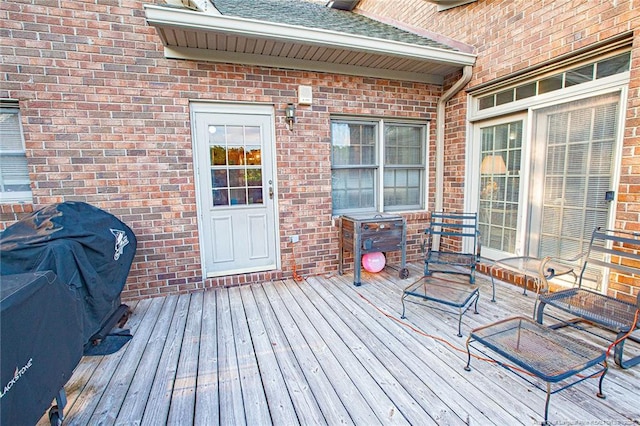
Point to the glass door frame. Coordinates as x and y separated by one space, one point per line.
473 185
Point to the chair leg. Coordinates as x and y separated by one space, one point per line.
468 366
600 394
493 285
539 311
460 322
427 272
402 298
618 351
546 405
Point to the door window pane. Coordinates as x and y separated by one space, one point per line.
579 75
235 159
526 91
550 84
500 185
254 156
615 65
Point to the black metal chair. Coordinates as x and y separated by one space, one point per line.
454 232
616 252
451 230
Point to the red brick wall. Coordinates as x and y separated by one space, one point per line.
106 121
511 35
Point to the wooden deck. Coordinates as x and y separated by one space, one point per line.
323 352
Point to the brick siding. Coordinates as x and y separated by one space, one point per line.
106 121
511 35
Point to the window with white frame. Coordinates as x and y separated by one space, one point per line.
15 185
377 165
545 186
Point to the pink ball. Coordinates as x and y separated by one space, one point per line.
373 262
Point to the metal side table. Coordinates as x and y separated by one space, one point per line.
541 270
542 352
452 294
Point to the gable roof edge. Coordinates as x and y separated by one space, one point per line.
462 47
186 19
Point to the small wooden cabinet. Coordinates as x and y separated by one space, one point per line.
369 233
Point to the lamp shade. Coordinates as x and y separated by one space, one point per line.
493 165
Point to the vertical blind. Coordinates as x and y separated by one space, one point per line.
580 142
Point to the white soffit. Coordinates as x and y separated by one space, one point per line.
194 35
449 4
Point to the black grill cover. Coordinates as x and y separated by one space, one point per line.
41 344
89 249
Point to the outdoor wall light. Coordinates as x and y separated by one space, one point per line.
290 115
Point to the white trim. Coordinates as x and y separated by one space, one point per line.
186 19
563 96
472 186
380 123
379 177
584 89
197 106
230 272
450 4
16 197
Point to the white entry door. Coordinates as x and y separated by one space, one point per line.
234 158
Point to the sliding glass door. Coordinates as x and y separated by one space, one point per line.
543 194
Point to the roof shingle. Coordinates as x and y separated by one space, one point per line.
310 14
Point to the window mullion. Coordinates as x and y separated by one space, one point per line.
381 164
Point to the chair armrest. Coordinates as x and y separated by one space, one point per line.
543 284
425 246
572 261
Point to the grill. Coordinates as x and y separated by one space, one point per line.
63 269
369 233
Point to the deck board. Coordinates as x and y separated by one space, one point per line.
332 405
278 402
323 351
123 371
372 343
183 397
230 389
159 400
366 395
428 358
307 408
256 407
206 410
373 358
136 399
